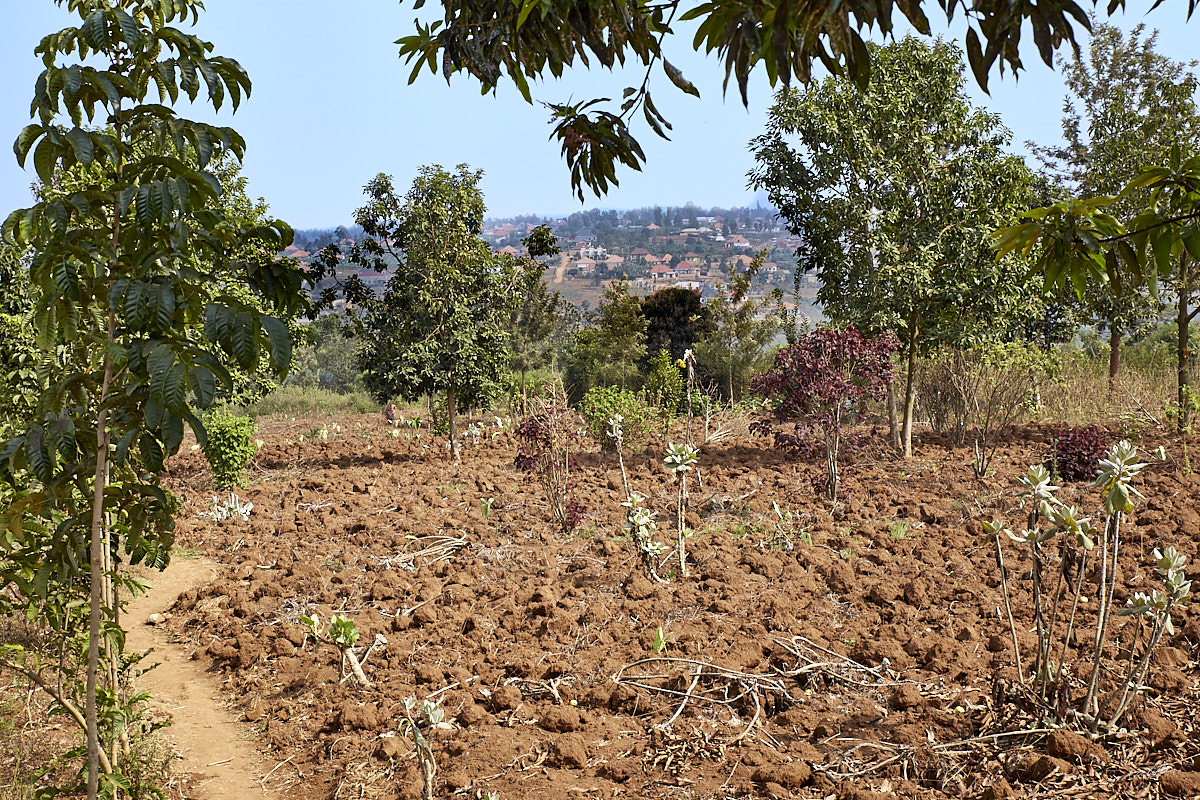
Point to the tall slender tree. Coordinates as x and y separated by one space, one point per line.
440 327
126 268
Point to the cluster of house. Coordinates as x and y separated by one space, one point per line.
582 258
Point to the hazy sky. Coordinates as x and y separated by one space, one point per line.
332 107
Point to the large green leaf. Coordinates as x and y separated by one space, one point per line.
243 339
279 340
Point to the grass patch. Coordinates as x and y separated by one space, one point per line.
297 402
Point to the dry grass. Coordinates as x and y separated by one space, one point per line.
1081 395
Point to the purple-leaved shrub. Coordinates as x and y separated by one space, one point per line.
821 384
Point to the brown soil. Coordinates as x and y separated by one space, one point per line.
843 655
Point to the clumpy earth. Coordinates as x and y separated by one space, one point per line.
853 651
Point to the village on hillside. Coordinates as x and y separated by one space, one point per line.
688 250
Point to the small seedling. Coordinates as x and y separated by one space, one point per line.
485 505
640 521
661 640
232 508
428 718
343 634
679 460
898 529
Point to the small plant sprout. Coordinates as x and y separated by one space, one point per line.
1155 607
343 634
485 505
641 526
231 508
420 721
640 521
679 460
661 640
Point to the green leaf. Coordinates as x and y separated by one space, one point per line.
203 385
152 452
280 345
81 145
243 339
37 454
45 160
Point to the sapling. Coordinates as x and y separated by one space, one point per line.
343 634
233 508
1156 606
428 718
1113 476
1077 541
544 439
640 521
679 461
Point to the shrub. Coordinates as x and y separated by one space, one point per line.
824 380
544 438
996 382
939 399
1075 452
603 403
664 388
230 447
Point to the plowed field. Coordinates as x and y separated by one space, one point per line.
858 651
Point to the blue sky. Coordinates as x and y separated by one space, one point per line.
332 107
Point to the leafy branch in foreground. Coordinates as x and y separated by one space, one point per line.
529 40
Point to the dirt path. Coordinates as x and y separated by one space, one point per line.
215 751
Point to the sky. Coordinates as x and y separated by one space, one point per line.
332 107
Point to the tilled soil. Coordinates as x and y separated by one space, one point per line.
858 651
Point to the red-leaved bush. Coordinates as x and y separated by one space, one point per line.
823 382
544 439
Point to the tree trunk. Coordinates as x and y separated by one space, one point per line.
451 422
1114 357
97 559
910 389
1183 374
893 414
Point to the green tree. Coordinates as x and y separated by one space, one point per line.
533 318
1081 243
742 328
440 326
1122 112
895 190
525 41
676 318
608 351
126 268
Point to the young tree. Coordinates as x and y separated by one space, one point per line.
440 325
825 380
676 318
533 318
1121 112
127 268
896 190
742 328
607 352
1079 243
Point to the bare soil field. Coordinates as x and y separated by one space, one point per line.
857 652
